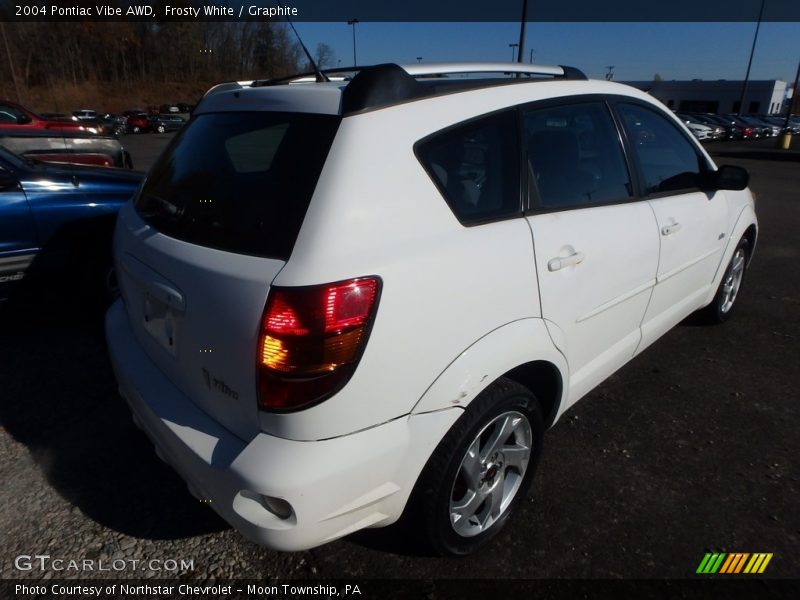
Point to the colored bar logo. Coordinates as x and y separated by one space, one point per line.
734 563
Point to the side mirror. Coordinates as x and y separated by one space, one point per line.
727 177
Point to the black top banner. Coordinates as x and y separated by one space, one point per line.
404 10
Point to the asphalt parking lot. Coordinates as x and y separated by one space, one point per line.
692 447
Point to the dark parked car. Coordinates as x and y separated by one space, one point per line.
748 132
56 222
793 126
164 123
767 129
115 124
732 131
758 130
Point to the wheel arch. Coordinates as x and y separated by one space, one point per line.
751 234
521 351
545 382
746 226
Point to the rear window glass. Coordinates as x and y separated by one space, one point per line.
239 181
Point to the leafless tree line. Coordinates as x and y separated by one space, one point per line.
49 54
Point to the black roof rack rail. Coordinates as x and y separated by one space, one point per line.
381 85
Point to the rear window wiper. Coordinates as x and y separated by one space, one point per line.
167 207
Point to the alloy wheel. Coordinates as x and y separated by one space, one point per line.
733 281
490 473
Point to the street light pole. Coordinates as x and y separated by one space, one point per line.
750 62
353 23
513 51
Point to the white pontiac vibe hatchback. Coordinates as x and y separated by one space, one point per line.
353 298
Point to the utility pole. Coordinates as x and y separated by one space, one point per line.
522 24
750 62
786 137
419 59
610 73
10 62
531 60
513 50
353 23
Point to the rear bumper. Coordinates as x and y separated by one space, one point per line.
334 487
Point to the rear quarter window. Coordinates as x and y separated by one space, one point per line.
239 181
476 167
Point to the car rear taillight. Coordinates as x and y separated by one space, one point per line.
311 339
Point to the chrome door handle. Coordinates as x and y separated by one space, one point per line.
556 264
670 229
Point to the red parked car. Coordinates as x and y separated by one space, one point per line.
15 117
138 122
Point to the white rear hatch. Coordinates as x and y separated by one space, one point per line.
213 225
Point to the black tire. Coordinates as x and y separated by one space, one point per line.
442 482
722 306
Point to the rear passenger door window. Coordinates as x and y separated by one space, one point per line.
575 156
668 160
476 167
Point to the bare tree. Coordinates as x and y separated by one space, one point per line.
145 55
324 56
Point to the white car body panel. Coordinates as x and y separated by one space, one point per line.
491 357
460 307
599 303
335 487
212 359
692 228
742 216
